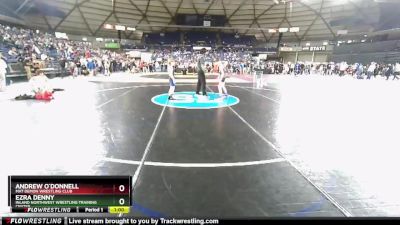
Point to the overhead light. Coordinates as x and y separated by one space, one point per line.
283 30
294 29
84 39
131 28
119 27
99 39
276 1
349 41
108 26
325 43
271 30
363 40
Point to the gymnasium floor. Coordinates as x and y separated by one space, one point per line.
305 146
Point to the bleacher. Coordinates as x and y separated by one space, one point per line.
132 46
52 69
4 48
203 38
382 52
169 38
232 39
15 73
382 46
271 49
198 38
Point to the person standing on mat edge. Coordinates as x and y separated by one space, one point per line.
201 79
172 81
3 71
221 86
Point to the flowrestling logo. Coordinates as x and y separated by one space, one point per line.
189 100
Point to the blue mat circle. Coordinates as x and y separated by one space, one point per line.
189 100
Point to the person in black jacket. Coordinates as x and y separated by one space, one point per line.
78 66
389 71
63 66
201 79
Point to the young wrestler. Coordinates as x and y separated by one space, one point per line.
41 88
172 81
221 86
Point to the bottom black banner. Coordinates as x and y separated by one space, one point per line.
188 221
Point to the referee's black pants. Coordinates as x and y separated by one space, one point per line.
201 83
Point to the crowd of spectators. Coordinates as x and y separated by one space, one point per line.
238 61
35 49
356 70
242 63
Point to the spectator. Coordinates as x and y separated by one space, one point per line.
63 67
3 71
107 68
28 67
388 71
371 70
91 66
396 72
359 70
78 67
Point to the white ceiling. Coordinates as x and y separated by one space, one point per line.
312 16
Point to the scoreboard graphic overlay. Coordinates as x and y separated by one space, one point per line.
69 194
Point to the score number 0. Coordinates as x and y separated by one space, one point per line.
121 201
121 188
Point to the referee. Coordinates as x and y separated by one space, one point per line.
201 79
